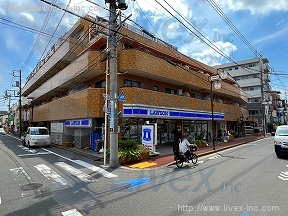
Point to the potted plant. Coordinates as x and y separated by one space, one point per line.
130 151
66 144
231 138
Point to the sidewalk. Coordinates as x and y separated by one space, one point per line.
164 160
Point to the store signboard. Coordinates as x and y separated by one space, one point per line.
81 123
148 136
162 113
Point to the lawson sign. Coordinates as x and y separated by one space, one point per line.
149 112
81 123
156 112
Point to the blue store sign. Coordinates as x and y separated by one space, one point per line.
82 123
168 113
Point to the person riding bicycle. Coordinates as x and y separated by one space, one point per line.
183 146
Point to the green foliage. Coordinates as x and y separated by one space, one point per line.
130 149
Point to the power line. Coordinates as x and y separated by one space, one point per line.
203 40
55 30
38 38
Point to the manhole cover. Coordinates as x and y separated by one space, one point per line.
31 186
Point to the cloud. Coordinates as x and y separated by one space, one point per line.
272 36
207 55
28 16
254 6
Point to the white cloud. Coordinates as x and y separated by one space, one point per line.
28 16
272 36
207 55
254 6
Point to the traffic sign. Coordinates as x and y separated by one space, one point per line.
122 97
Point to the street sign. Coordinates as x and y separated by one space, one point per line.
122 97
213 78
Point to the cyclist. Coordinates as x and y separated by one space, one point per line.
183 146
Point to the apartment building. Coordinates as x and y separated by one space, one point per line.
247 73
161 85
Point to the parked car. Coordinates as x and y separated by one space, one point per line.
36 136
2 131
281 140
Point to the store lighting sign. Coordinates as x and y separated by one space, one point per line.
154 112
78 123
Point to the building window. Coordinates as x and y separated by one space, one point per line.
236 68
170 91
130 83
155 88
255 112
254 100
100 84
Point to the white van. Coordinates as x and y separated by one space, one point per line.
37 136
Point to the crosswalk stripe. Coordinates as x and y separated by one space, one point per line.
89 166
96 169
51 175
72 212
76 172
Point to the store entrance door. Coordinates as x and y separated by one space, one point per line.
77 138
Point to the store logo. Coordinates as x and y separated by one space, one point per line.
159 113
147 135
75 123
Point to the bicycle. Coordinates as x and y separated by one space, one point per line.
180 159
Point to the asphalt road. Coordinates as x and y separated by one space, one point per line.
52 181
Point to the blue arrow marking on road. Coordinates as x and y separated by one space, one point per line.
122 97
245 214
135 182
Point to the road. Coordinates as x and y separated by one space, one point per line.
246 180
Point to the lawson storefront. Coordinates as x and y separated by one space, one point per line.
197 124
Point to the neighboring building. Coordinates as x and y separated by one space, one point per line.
279 114
247 74
161 85
3 117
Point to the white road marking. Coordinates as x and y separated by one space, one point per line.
76 172
51 175
22 171
87 165
215 157
285 179
72 212
200 162
96 169
14 137
39 153
0 201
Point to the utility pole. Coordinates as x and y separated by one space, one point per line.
20 97
262 97
113 6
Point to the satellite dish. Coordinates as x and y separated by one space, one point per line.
217 85
223 74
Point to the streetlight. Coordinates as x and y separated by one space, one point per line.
217 85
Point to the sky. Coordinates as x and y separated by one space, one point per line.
262 22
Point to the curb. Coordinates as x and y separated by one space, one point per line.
97 158
199 155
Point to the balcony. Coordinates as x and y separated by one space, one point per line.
136 62
87 103
154 98
249 82
59 57
84 68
